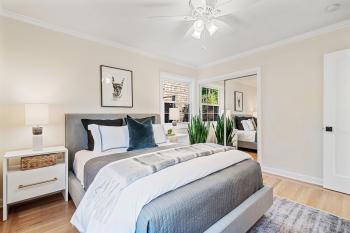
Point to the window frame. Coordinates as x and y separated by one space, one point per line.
164 76
220 100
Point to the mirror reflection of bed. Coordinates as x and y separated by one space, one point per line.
246 135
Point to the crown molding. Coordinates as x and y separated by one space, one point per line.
301 37
85 36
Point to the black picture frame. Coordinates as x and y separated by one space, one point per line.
238 98
103 104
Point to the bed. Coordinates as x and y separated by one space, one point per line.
245 139
214 203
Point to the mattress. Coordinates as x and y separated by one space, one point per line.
83 156
246 136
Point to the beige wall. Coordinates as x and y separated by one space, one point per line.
292 82
40 65
249 96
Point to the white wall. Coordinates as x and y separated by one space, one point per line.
292 84
39 65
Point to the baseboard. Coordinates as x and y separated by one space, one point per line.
293 175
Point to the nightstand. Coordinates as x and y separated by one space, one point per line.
180 138
21 185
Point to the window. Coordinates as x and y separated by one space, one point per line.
210 103
176 94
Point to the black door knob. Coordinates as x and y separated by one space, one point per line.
329 129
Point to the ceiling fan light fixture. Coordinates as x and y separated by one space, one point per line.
198 25
211 27
196 34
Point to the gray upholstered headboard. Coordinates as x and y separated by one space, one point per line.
76 136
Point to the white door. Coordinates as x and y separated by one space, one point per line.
336 139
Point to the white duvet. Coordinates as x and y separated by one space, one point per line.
246 136
121 214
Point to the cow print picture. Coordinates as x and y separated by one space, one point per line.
116 87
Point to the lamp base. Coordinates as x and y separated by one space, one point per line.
37 138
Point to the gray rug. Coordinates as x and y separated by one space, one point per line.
289 217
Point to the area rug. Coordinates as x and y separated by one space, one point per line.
289 217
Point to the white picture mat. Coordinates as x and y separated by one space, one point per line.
107 74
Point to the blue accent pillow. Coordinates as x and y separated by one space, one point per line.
140 134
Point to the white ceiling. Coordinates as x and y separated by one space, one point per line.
256 23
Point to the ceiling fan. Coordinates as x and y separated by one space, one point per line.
205 16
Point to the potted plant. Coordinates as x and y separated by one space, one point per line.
220 127
197 130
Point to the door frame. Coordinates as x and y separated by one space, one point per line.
239 74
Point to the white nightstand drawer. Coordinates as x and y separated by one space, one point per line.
32 183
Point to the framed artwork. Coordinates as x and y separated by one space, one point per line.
116 87
238 101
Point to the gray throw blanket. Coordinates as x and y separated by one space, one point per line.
93 166
132 169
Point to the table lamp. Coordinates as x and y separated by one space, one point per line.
37 115
174 115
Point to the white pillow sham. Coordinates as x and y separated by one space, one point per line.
248 125
109 137
113 137
159 134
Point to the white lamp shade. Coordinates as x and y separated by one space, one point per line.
37 114
211 27
174 114
196 34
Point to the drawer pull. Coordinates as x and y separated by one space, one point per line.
21 186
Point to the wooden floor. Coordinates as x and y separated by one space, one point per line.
52 214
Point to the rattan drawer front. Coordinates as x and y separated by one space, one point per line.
38 161
33 183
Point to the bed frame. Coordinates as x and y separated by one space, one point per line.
247 145
239 220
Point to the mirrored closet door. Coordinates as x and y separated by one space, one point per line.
228 107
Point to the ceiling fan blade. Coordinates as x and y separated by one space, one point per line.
153 4
222 3
189 32
230 7
222 26
178 18
233 19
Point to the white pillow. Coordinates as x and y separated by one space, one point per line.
159 134
109 137
247 125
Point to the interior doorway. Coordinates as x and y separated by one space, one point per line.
235 97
